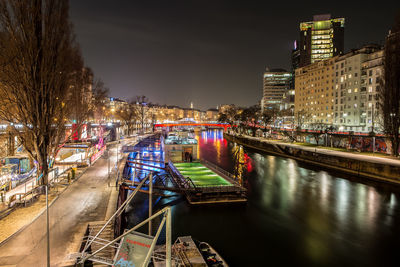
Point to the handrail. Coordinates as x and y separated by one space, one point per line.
218 169
182 178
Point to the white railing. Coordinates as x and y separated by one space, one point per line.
225 173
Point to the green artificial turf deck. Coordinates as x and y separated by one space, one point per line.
200 175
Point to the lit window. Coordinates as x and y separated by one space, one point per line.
349 91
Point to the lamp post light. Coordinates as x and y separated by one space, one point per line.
47 225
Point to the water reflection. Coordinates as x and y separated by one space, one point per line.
295 215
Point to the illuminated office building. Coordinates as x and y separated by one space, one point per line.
321 39
276 82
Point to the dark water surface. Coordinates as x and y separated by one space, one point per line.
295 216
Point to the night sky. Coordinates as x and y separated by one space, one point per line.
208 52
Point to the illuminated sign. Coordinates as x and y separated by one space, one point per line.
97 155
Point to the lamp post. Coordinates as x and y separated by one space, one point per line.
372 128
108 159
47 225
117 160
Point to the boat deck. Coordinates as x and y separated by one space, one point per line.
188 252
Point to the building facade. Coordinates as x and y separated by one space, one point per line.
321 39
276 82
212 114
314 95
357 75
341 91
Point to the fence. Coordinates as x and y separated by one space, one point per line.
181 180
227 175
20 198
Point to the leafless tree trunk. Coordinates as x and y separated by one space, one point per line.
80 95
99 95
389 94
36 49
129 114
142 103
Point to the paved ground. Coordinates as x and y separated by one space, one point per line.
382 160
84 201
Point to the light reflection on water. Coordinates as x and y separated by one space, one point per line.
295 215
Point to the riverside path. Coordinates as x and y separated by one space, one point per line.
83 201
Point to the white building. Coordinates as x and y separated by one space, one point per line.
356 79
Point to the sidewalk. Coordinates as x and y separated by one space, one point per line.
22 216
86 200
350 155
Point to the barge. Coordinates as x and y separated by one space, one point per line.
204 183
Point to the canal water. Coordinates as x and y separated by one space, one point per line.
296 215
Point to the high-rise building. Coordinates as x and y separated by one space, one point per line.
295 59
320 39
275 83
295 62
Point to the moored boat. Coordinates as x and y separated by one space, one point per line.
211 256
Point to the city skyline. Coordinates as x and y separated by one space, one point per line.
190 52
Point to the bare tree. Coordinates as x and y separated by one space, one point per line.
389 93
250 117
231 115
302 117
129 114
80 94
36 49
99 94
142 110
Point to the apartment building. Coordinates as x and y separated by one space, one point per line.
315 94
341 92
356 81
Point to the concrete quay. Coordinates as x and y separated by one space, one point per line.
375 168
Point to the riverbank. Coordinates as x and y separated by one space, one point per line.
371 167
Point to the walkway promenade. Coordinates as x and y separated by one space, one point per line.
380 167
350 155
84 201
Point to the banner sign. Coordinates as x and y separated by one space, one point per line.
133 250
97 155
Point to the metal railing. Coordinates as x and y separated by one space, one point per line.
225 173
185 182
219 188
